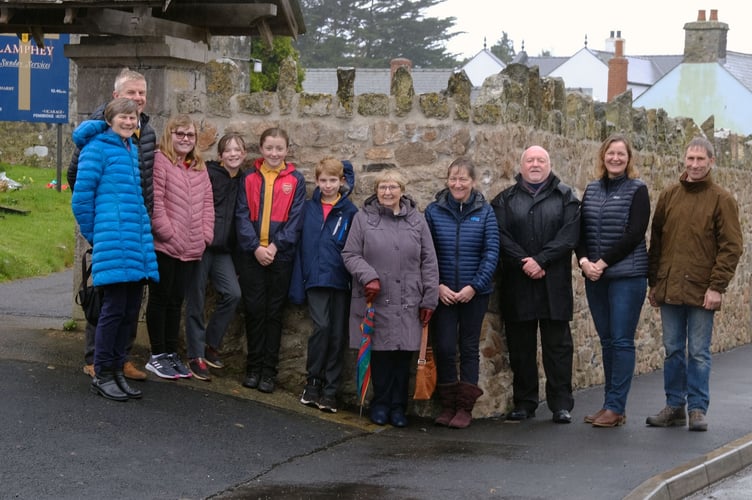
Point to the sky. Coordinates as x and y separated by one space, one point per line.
649 27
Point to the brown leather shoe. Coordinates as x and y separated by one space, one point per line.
589 419
89 370
130 371
610 419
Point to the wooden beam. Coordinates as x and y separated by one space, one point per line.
196 18
289 18
117 22
225 15
266 33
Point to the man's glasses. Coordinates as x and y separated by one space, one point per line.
183 135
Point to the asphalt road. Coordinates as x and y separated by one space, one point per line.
191 440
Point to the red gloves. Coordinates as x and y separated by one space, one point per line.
372 288
425 315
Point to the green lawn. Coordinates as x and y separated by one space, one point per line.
42 241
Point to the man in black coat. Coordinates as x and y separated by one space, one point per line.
132 85
539 224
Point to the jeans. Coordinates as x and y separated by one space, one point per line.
453 326
615 305
329 309
264 290
118 319
165 303
220 268
687 331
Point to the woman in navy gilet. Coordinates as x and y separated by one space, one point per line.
613 257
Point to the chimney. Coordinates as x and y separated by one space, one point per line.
617 71
397 63
705 41
609 42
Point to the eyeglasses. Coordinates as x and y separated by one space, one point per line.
182 135
389 187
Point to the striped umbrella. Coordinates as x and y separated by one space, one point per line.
363 371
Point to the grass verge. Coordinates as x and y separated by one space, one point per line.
43 240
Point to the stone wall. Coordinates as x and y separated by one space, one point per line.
422 134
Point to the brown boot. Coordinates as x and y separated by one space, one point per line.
130 371
467 394
89 370
447 394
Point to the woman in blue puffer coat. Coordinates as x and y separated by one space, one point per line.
108 205
466 238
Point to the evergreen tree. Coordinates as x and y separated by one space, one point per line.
370 33
504 48
270 61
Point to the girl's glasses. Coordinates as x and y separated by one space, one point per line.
183 135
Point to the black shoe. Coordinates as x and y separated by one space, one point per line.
122 383
266 385
398 418
311 393
378 416
327 404
562 417
104 384
520 414
252 380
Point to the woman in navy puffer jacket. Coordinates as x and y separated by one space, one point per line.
109 207
466 238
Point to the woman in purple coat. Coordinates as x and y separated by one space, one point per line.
391 258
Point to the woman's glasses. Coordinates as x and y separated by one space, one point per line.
183 135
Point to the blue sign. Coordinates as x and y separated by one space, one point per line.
33 80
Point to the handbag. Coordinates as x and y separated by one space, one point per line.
425 375
89 297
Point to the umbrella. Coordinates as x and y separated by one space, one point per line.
364 355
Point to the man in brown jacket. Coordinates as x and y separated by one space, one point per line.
695 245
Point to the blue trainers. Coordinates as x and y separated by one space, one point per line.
178 366
161 366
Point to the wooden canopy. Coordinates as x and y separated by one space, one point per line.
195 20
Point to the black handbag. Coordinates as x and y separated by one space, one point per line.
89 297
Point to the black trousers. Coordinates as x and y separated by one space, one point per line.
390 378
264 291
557 350
329 309
165 303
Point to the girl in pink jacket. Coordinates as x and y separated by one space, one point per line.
183 224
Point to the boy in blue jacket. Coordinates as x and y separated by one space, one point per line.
320 277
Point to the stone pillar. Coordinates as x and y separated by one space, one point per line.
170 65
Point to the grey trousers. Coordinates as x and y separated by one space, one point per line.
220 270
